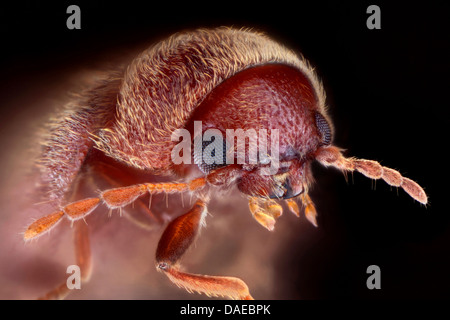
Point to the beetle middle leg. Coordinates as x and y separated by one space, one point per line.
176 239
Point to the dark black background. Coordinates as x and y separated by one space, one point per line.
388 95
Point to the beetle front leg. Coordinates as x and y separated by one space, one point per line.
176 239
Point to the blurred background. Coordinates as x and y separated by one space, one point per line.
387 92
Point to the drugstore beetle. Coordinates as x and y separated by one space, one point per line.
225 79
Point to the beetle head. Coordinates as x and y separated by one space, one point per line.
286 105
281 176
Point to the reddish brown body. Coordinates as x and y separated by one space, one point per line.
277 97
118 134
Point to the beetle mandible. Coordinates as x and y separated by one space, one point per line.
227 79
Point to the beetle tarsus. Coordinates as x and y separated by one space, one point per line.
212 286
42 225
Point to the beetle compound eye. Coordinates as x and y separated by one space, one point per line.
213 156
324 129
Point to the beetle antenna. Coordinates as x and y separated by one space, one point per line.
332 156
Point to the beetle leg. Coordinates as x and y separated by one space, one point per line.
265 211
310 209
83 259
176 239
293 206
332 156
42 225
106 176
74 211
83 250
120 197
113 198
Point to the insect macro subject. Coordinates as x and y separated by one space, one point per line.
117 136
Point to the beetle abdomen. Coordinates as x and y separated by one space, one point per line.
68 138
163 86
